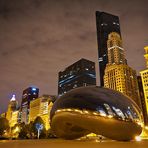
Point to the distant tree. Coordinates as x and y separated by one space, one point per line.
15 130
30 130
14 127
4 125
23 134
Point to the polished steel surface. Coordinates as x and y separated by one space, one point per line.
99 110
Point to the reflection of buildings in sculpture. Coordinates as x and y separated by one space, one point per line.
106 23
144 76
81 73
12 106
96 110
41 107
29 94
118 75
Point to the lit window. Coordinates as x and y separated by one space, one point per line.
33 89
100 59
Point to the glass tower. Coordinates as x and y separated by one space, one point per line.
81 73
29 94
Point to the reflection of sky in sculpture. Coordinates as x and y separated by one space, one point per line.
99 100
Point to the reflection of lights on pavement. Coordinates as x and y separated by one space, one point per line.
138 138
97 140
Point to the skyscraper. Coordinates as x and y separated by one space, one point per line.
115 50
106 23
14 118
12 106
41 107
81 73
143 101
29 94
118 75
144 76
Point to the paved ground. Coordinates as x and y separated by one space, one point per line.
70 144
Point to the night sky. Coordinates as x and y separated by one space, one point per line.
39 38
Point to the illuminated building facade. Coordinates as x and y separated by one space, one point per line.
118 75
143 101
12 106
14 118
41 107
29 94
81 73
106 23
3 115
34 109
144 77
45 115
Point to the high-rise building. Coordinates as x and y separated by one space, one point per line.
29 94
45 108
143 103
3 115
14 118
34 109
81 73
144 77
106 23
118 75
115 50
41 107
12 106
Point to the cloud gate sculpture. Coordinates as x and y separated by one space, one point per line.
96 110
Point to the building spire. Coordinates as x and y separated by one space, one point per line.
13 98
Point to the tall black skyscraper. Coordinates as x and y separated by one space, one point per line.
106 23
29 94
81 73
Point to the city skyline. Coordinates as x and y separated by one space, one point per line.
38 42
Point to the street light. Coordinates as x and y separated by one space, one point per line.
138 138
39 127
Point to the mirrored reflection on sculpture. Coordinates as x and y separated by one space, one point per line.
96 110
